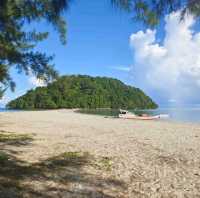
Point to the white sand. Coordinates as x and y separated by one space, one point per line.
154 158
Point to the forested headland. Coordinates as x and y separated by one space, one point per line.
80 91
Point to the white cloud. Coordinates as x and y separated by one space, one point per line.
172 100
36 82
122 68
172 68
4 100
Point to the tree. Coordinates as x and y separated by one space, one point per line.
150 11
17 43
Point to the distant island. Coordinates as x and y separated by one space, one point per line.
81 91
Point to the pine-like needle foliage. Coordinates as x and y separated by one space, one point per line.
17 43
151 11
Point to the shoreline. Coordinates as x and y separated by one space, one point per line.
171 119
76 110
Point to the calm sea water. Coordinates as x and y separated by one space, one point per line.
7 110
190 115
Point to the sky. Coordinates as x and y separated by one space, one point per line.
103 41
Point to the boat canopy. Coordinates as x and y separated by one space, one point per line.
123 111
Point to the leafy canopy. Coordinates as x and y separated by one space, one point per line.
17 43
150 11
83 92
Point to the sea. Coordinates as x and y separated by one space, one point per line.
7 110
186 115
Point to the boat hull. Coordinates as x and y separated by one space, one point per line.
139 117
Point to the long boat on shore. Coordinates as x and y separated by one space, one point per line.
129 115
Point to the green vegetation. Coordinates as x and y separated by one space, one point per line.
104 163
83 92
68 158
3 157
152 11
17 42
15 138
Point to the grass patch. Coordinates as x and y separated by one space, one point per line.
10 137
72 155
68 159
3 157
104 163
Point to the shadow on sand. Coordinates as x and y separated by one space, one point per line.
68 175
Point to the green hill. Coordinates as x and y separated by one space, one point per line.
83 92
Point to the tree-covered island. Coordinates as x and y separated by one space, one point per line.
80 91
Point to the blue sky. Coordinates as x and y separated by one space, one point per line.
98 44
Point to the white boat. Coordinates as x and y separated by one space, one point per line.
129 115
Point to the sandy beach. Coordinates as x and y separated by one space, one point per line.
77 155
